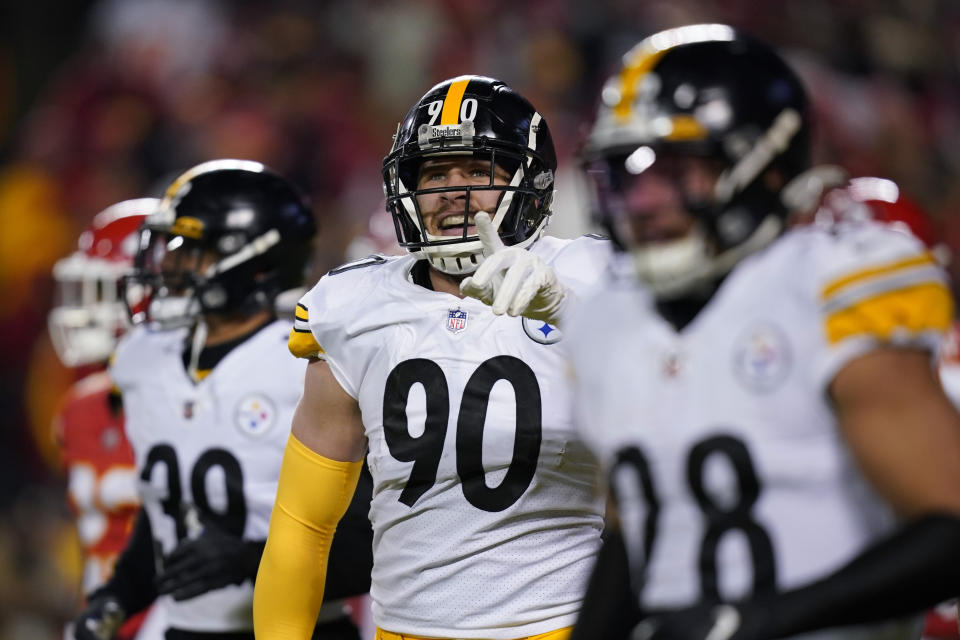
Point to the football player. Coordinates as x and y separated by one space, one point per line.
884 201
85 322
209 391
484 511
765 402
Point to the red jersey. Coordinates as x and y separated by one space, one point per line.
101 478
102 485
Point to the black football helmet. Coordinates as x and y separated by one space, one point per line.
228 237
710 91
483 118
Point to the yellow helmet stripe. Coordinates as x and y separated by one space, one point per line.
205 167
630 76
451 103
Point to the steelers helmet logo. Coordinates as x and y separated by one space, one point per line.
541 332
255 415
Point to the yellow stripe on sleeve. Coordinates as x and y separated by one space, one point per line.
302 344
918 309
451 103
833 287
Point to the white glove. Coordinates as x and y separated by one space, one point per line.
513 280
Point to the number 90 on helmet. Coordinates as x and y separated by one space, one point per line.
485 120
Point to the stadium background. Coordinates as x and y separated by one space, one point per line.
104 100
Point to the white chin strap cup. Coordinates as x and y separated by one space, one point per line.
464 258
672 270
174 312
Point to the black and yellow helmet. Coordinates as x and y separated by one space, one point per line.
703 90
483 118
227 237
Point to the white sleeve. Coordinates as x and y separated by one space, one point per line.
875 286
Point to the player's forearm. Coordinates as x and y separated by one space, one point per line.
916 568
289 587
312 496
609 607
351 555
132 581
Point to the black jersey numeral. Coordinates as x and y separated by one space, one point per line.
232 519
426 450
171 504
719 518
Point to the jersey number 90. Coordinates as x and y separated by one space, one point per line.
425 450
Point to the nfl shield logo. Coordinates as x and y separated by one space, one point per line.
456 320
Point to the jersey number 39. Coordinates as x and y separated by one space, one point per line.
232 519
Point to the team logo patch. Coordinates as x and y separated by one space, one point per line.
762 358
255 415
541 332
456 320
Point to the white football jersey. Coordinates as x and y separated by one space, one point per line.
209 450
722 451
485 512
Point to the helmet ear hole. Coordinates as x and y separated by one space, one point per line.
213 297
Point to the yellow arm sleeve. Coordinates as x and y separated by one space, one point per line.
312 496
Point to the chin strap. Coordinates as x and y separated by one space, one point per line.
678 268
196 346
471 255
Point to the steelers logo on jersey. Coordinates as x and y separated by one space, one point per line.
540 331
762 358
255 415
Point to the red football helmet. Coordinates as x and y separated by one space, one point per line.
89 314
888 203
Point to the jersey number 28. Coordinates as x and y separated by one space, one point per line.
720 517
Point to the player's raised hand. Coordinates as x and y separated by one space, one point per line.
513 280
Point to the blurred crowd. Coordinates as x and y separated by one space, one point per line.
315 90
